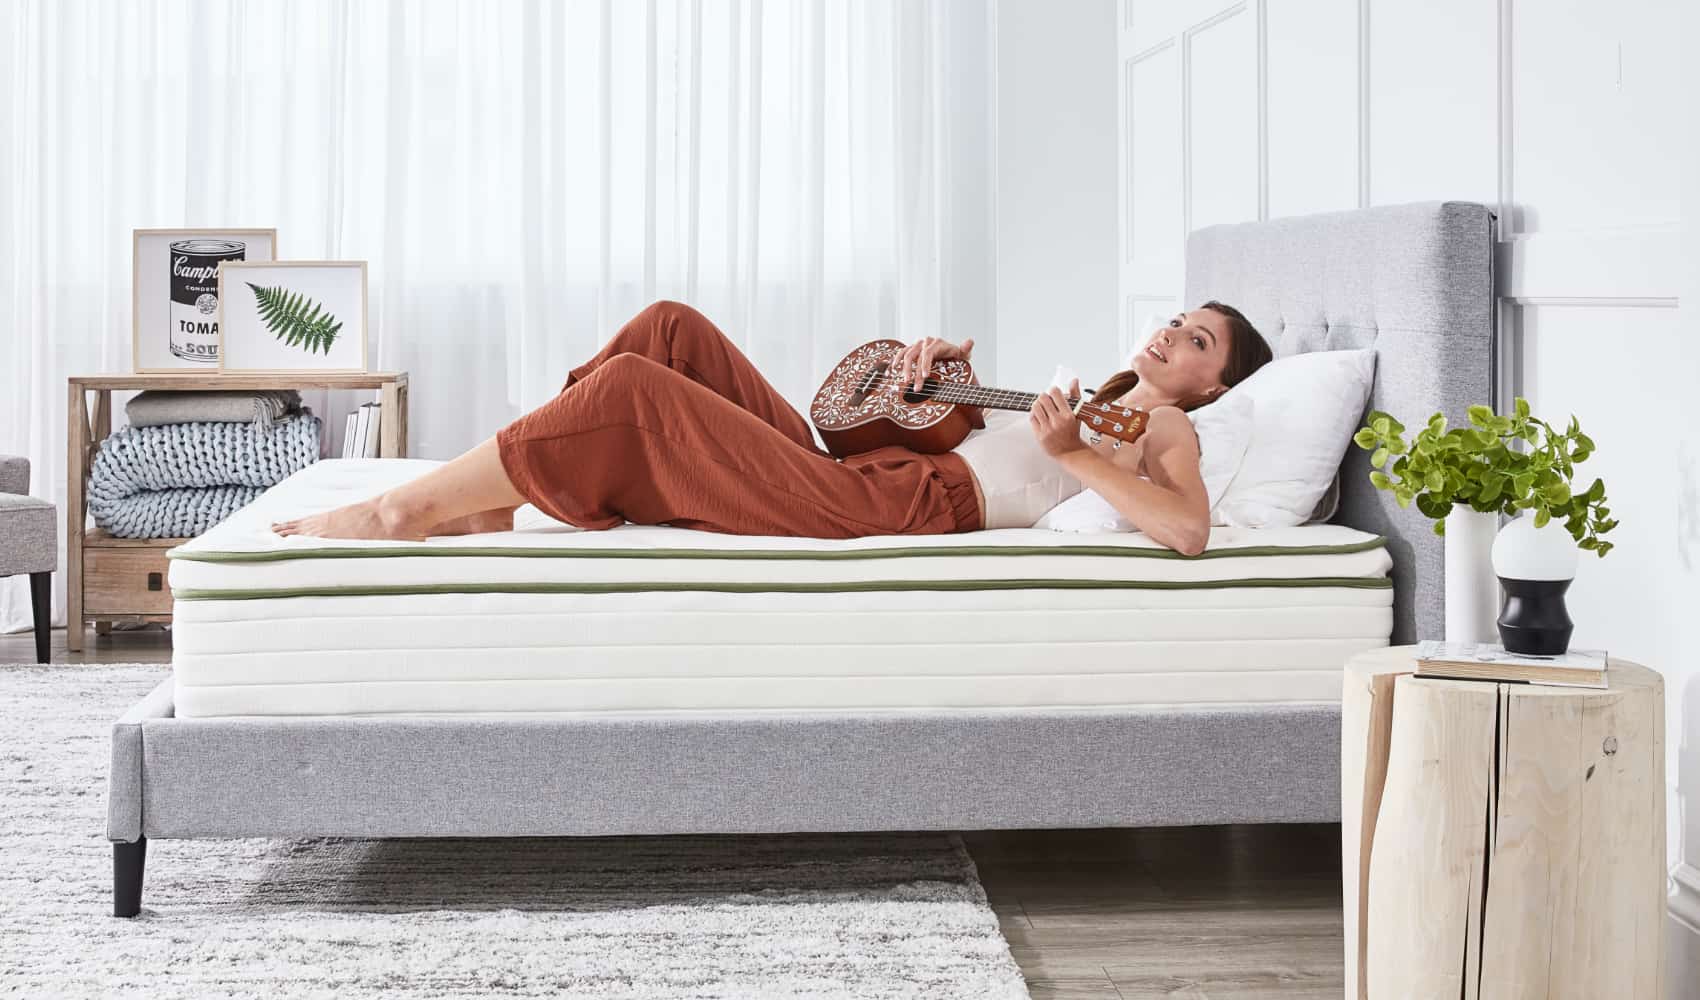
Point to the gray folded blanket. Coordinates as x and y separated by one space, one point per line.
177 480
190 406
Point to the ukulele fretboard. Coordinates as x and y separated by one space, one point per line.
979 395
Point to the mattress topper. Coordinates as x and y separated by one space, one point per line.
242 557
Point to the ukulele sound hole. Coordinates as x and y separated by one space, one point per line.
911 396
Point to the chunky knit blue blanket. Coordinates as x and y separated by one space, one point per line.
178 480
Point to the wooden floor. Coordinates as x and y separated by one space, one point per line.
1240 911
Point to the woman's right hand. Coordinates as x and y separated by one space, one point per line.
913 363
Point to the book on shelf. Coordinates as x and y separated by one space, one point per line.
375 418
1488 661
357 448
360 432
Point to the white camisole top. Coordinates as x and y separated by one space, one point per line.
1019 480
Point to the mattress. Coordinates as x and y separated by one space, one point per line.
547 618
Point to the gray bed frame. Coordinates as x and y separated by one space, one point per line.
1412 281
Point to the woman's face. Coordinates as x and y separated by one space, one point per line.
1186 357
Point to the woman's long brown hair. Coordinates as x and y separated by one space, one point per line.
1247 352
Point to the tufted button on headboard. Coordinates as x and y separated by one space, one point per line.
1414 282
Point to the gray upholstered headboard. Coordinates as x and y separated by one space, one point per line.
1415 282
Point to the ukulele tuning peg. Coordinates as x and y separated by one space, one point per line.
1116 444
1097 419
1118 428
1095 438
1127 413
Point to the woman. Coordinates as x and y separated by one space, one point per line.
670 423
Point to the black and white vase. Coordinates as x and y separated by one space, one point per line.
1535 567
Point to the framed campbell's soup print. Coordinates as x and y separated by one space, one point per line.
174 293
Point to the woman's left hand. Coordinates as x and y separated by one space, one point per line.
1054 423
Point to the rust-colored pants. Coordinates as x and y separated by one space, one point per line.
670 423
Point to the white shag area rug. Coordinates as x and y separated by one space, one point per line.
811 915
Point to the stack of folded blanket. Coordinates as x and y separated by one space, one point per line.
191 458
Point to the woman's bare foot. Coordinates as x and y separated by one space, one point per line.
366 519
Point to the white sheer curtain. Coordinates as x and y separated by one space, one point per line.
521 175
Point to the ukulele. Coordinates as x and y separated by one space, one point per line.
863 405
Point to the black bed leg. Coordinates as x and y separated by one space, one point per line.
41 598
127 863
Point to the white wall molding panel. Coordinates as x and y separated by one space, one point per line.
1574 119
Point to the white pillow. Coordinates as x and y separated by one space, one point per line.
1308 407
1224 431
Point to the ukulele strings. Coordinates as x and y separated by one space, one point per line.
1000 395
939 391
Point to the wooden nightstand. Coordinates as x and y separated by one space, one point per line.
125 579
1502 840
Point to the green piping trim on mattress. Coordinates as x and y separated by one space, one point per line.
741 587
274 555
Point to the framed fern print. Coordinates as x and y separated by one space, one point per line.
292 316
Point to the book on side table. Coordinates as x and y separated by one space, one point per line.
1486 661
360 433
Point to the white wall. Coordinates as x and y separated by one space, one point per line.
1569 117
1684 686
1056 191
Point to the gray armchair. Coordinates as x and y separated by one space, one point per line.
29 542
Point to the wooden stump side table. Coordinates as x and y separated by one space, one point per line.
125 579
1501 840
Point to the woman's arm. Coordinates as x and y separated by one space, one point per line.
1172 507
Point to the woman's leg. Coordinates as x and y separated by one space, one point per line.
494 519
667 332
677 336
471 493
638 441
682 338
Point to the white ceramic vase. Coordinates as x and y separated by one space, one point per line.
1472 591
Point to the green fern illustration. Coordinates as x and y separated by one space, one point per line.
295 319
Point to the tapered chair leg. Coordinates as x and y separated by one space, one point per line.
41 604
127 863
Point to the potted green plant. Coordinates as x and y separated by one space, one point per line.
1512 464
